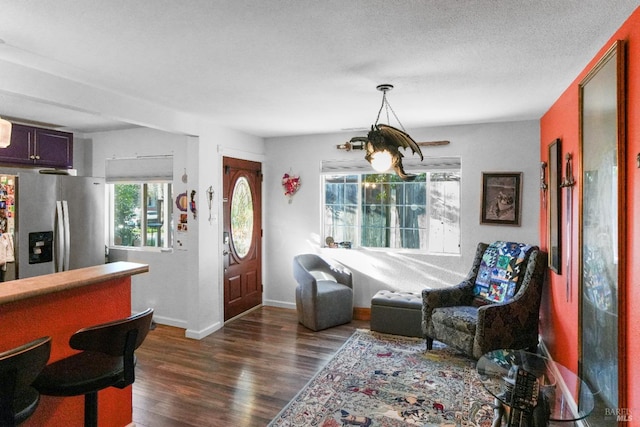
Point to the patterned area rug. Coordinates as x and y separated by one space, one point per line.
386 380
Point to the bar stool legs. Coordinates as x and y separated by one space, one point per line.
91 409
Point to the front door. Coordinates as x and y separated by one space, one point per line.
242 236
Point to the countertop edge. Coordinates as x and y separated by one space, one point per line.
21 289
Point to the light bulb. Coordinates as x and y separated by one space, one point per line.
381 161
5 133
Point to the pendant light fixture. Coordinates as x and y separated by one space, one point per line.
5 133
383 141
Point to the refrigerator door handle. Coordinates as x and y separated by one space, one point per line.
60 237
67 238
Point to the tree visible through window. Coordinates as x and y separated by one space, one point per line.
382 211
141 214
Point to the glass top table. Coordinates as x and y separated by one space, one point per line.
567 396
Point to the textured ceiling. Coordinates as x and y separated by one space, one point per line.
287 67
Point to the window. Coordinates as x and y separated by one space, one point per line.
140 201
382 211
141 217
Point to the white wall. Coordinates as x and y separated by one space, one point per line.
292 228
159 288
184 285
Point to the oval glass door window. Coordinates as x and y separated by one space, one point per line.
241 217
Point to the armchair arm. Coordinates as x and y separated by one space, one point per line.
461 294
342 274
305 279
506 325
338 271
307 266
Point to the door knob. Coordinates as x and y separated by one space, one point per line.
225 252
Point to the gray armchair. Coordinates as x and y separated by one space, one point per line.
324 295
503 314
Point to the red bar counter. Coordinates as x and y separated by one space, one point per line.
57 305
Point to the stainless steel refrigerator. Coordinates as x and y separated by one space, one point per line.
59 223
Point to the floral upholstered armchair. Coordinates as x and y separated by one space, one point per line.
495 307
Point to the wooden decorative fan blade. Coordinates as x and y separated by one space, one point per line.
432 143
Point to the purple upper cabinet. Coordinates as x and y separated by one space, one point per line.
38 147
53 148
19 151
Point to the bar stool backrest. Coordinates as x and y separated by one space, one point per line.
111 337
118 338
19 367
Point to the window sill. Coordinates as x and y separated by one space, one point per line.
141 249
326 249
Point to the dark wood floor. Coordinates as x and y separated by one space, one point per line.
241 375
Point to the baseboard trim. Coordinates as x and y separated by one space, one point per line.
169 321
362 313
198 335
359 313
279 304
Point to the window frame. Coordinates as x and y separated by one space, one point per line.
359 173
167 212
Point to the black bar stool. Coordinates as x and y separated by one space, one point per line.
19 367
107 360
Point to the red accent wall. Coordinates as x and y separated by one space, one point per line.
559 316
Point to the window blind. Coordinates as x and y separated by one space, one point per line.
139 169
410 164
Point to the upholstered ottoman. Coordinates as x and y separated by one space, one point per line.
397 313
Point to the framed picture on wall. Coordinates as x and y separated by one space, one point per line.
501 198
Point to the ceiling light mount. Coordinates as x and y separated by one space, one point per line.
383 141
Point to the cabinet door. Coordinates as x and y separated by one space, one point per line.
53 148
21 147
